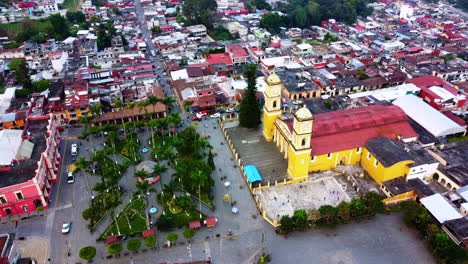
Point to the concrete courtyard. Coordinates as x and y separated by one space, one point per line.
308 195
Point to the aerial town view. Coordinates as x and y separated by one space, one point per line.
234 132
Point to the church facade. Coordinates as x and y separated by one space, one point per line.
324 141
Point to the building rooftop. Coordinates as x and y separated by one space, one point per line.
24 170
458 226
294 82
387 151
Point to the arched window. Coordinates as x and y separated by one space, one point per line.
303 142
274 104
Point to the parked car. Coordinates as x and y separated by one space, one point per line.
215 115
74 149
297 102
66 228
230 110
196 118
71 177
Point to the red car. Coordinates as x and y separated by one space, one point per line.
196 118
150 180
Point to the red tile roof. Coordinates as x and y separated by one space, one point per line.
219 58
425 82
349 129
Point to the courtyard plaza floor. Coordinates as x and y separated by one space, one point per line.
308 195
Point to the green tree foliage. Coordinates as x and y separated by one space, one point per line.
358 208
75 17
199 11
344 212
287 224
150 241
59 28
361 74
211 160
258 4
105 32
21 73
194 173
272 22
318 10
220 33
374 203
300 219
250 109
189 233
190 142
328 216
41 85
115 248
172 237
87 253
156 30
134 244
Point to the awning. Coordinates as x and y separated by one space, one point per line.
148 232
112 239
194 224
211 221
252 173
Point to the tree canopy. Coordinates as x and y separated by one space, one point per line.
250 109
304 13
200 11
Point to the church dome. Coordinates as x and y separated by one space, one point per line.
303 114
273 79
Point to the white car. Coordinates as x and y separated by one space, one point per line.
230 110
215 115
74 149
71 177
66 228
297 102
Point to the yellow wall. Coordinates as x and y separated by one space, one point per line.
379 173
411 195
298 162
322 162
269 119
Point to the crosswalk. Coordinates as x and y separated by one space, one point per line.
71 168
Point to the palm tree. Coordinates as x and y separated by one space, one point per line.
153 100
144 187
142 174
174 119
158 169
120 105
96 110
169 101
152 124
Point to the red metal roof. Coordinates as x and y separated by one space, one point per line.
219 58
148 232
349 129
194 224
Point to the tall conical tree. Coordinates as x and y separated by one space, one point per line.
250 109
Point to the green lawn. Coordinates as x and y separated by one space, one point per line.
132 214
71 5
12 29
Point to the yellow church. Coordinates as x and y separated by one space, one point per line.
315 142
